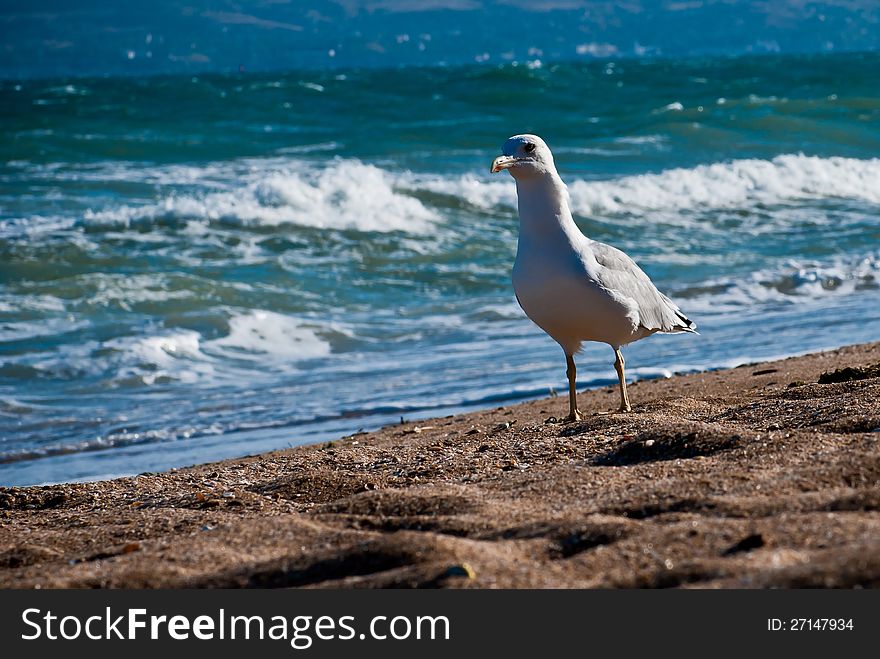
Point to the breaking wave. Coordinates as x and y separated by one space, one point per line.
347 195
796 282
258 334
740 183
736 184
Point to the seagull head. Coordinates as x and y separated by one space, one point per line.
524 156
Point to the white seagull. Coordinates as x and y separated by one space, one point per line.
572 287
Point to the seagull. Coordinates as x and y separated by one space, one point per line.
572 287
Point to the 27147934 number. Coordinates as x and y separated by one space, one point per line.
810 624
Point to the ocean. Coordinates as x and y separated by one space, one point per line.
197 268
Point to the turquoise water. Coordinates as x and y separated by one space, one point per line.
199 268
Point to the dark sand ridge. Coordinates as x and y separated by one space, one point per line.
758 476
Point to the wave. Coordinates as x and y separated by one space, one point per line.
740 183
736 184
795 282
27 330
254 342
258 334
346 195
175 355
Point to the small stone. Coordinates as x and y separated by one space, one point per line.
749 543
504 426
460 570
649 443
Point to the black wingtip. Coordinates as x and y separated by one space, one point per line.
689 325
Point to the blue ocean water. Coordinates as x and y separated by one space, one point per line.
194 268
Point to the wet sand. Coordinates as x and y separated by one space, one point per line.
759 476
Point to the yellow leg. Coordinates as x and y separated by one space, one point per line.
574 413
618 366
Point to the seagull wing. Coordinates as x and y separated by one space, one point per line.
620 275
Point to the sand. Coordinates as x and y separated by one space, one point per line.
754 477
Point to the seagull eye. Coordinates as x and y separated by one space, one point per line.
529 147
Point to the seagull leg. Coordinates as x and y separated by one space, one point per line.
574 413
618 366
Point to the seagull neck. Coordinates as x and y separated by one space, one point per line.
541 200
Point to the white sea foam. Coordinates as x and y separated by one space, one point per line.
346 195
311 148
642 139
16 304
675 106
736 184
266 338
256 342
162 350
125 289
730 185
258 334
25 330
506 311
793 282
475 191
35 226
174 355
349 194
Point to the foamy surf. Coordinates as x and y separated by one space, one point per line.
807 283
346 195
259 335
719 186
737 184
258 339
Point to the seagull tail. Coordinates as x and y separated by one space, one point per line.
681 323
687 324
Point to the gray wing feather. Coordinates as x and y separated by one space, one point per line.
621 275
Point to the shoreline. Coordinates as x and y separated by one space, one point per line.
756 476
265 436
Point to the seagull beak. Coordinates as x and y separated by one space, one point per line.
502 162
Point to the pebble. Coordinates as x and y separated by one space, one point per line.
460 570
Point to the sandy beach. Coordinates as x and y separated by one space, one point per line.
766 475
